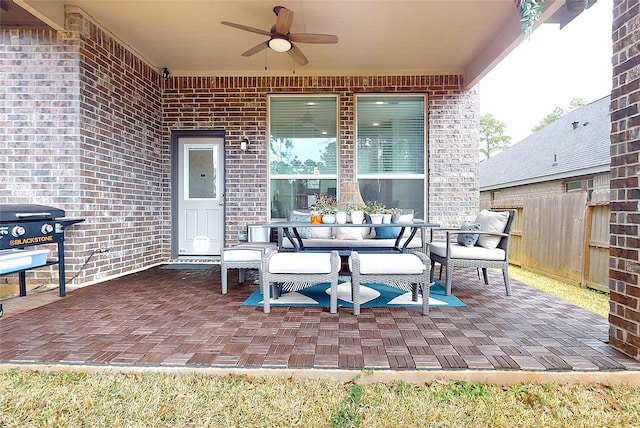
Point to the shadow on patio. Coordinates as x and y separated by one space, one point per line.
170 319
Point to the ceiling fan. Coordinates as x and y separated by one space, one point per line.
281 40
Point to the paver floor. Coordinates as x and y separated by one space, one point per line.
178 318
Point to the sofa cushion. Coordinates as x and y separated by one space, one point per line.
416 242
491 221
461 252
321 232
348 233
469 239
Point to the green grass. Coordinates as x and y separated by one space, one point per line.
586 298
74 399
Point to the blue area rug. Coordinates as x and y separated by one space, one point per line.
371 296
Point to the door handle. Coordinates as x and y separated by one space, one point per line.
221 200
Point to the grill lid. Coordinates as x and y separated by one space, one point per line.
28 212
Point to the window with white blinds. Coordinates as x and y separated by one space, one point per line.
303 150
391 144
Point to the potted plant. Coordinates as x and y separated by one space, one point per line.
530 11
375 210
395 214
356 215
325 206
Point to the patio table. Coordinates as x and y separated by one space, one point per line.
289 230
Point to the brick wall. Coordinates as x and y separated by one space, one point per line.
238 105
81 125
624 265
122 157
40 128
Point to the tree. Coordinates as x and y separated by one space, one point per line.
558 112
492 137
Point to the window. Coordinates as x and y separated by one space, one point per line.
391 150
303 150
580 186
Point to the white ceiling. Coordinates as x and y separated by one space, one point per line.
378 37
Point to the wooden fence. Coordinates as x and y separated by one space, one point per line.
563 237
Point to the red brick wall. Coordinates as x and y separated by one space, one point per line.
83 127
40 130
238 105
624 266
122 157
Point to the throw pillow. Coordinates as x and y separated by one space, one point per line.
387 232
491 221
301 217
406 216
321 232
469 239
348 233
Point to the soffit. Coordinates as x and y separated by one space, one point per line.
385 37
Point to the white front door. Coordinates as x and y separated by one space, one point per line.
200 197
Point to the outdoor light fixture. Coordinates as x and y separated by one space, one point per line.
244 144
165 73
279 44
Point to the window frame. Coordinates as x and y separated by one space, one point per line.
321 176
424 176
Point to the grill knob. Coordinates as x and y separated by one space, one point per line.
17 231
46 229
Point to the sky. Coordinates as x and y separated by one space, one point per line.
549 70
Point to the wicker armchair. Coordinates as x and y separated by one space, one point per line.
450 253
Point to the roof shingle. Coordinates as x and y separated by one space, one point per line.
576 144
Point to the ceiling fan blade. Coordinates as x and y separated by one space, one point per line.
284 20
246 28
313 38
257 48
297 55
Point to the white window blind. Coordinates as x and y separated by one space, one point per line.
390 135
303 133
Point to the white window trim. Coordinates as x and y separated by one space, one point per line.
335 176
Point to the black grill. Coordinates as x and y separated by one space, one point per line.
26 225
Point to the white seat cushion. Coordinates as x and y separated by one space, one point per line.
462 252
300 263
241 255
371 264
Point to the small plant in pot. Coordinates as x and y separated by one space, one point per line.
355 215
326 207
375 211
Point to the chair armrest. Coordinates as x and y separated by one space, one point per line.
475 232
441 229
